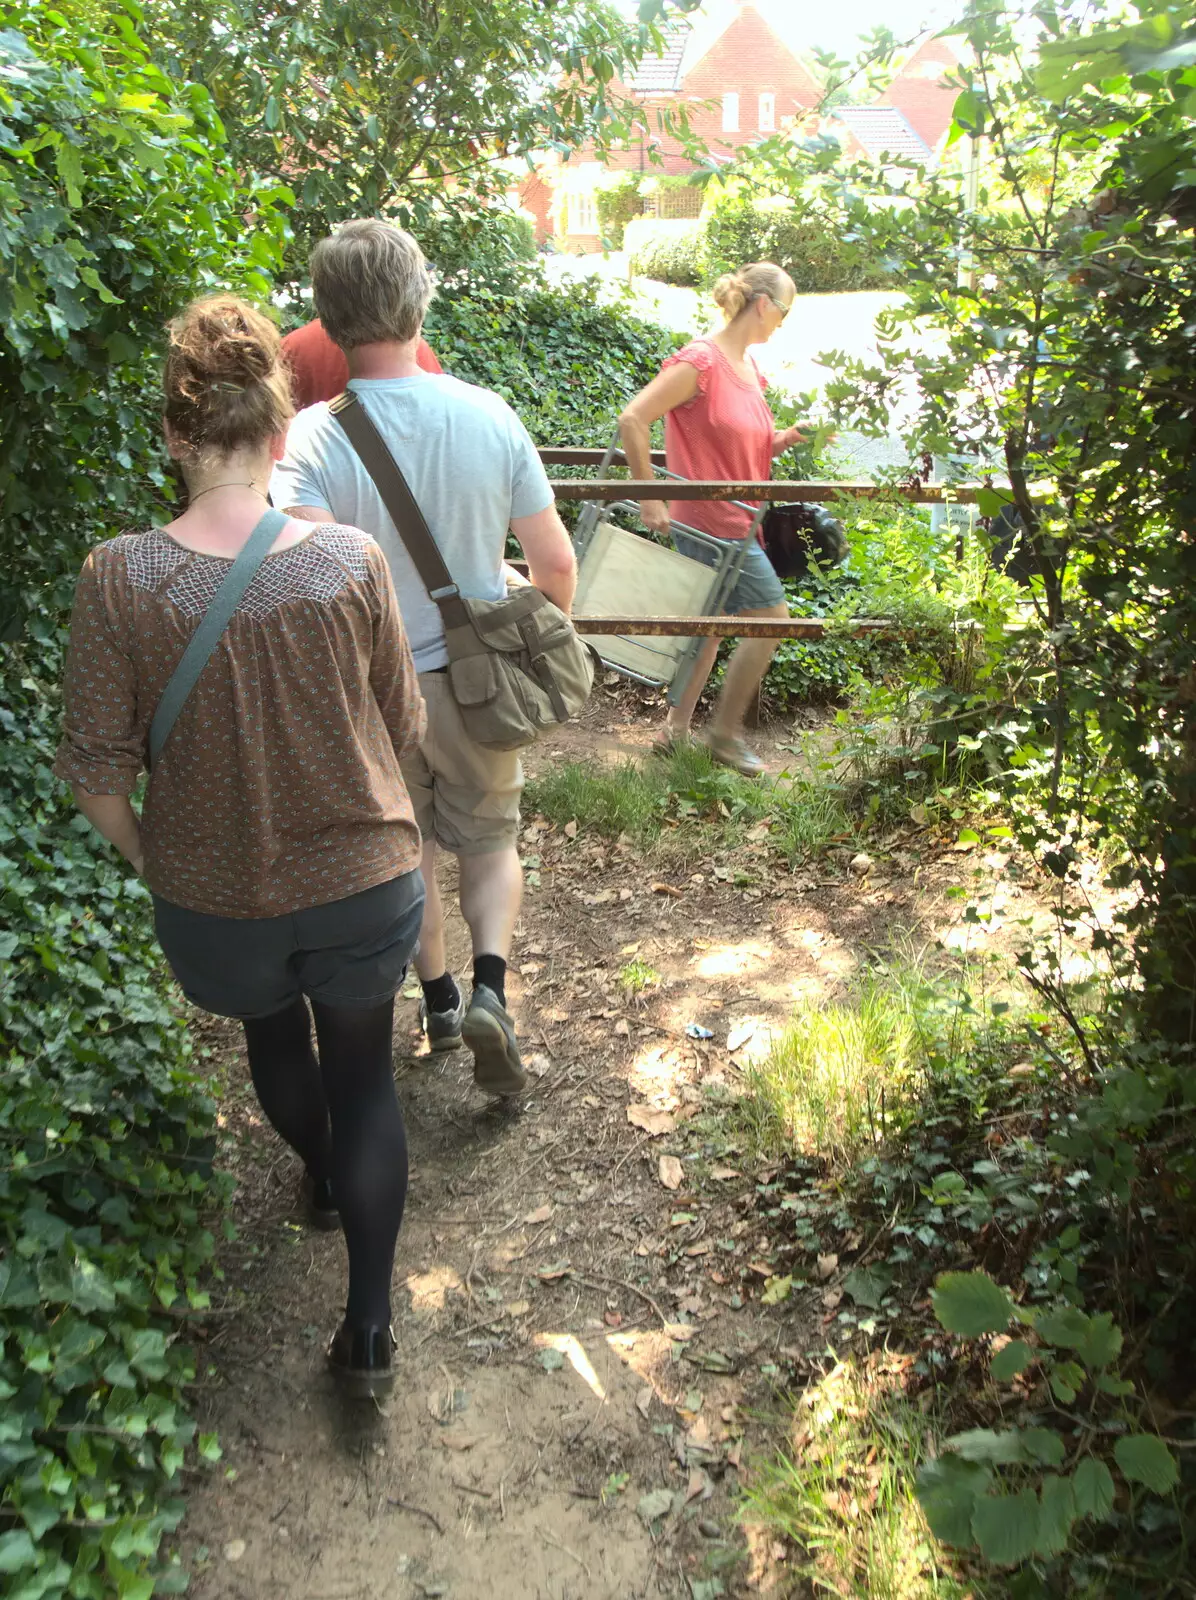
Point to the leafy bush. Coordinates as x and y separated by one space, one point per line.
617 205
115 212
670 252
105 1150
562 358
1016 1493
805 239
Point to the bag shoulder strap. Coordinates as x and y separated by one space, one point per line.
404 510
211 628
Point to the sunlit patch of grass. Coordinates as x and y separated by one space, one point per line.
839 1078
612 800
636 976
843 1489
695 797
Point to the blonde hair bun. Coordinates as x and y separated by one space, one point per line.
735 291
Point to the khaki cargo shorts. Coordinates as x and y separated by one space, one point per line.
465 797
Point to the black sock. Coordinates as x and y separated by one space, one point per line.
492 971
441 994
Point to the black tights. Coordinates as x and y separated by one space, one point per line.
340 1114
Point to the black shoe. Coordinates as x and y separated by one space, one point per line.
360 1359
319 1204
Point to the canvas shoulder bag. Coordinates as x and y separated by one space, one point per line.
211 628
516 666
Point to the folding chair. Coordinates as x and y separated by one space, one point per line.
627 574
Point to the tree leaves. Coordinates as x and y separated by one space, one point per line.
1093 1489
971 1304
1144 1458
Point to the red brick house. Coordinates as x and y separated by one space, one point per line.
739 82
911 118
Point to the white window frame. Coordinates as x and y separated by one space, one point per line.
731 112
583 212
766 119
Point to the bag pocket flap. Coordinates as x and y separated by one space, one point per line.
475 679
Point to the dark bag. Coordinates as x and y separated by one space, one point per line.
516 666
797 531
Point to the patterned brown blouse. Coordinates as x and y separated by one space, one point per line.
279 787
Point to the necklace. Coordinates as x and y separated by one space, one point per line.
213 486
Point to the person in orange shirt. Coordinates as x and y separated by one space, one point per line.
319 370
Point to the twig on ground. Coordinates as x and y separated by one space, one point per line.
622 1283
416 1511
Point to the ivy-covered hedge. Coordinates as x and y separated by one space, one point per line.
105 1180
564 359
115 208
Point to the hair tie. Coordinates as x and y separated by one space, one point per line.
228 388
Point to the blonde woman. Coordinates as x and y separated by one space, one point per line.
717 425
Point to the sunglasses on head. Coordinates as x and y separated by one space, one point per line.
783 309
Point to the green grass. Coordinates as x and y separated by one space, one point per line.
713 805
837 1080
843 1491
636 976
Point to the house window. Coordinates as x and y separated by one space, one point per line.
583 215
730 113
768 113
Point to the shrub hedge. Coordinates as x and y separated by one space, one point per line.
116 209
668 250
806 240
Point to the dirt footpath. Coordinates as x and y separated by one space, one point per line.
580 1334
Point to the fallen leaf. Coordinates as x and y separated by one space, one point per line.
762 1267
613 1319
657 1504
630 949
571 830
624 894
831 1298
558 1269
721 1174
670 1172
519 1308
234 1549
667 888
459 1441
551 1360
623 1027
740 1035
541 1214
699 1486
1022 1069
735 1453
652 1122
827 1266
530 968
643 1400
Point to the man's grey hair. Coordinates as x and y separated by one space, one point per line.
371 284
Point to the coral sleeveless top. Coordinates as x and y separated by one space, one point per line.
725 431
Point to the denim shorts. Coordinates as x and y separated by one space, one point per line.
756 589
350 953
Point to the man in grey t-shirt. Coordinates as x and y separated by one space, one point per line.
475 474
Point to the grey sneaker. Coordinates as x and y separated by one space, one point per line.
443 1028
489 1031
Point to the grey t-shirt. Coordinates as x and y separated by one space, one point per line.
471 466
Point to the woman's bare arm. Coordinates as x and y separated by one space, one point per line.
668 389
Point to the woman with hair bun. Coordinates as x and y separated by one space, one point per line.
718 425
277 837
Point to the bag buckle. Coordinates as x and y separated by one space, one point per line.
450 592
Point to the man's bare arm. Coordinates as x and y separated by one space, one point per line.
551 564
